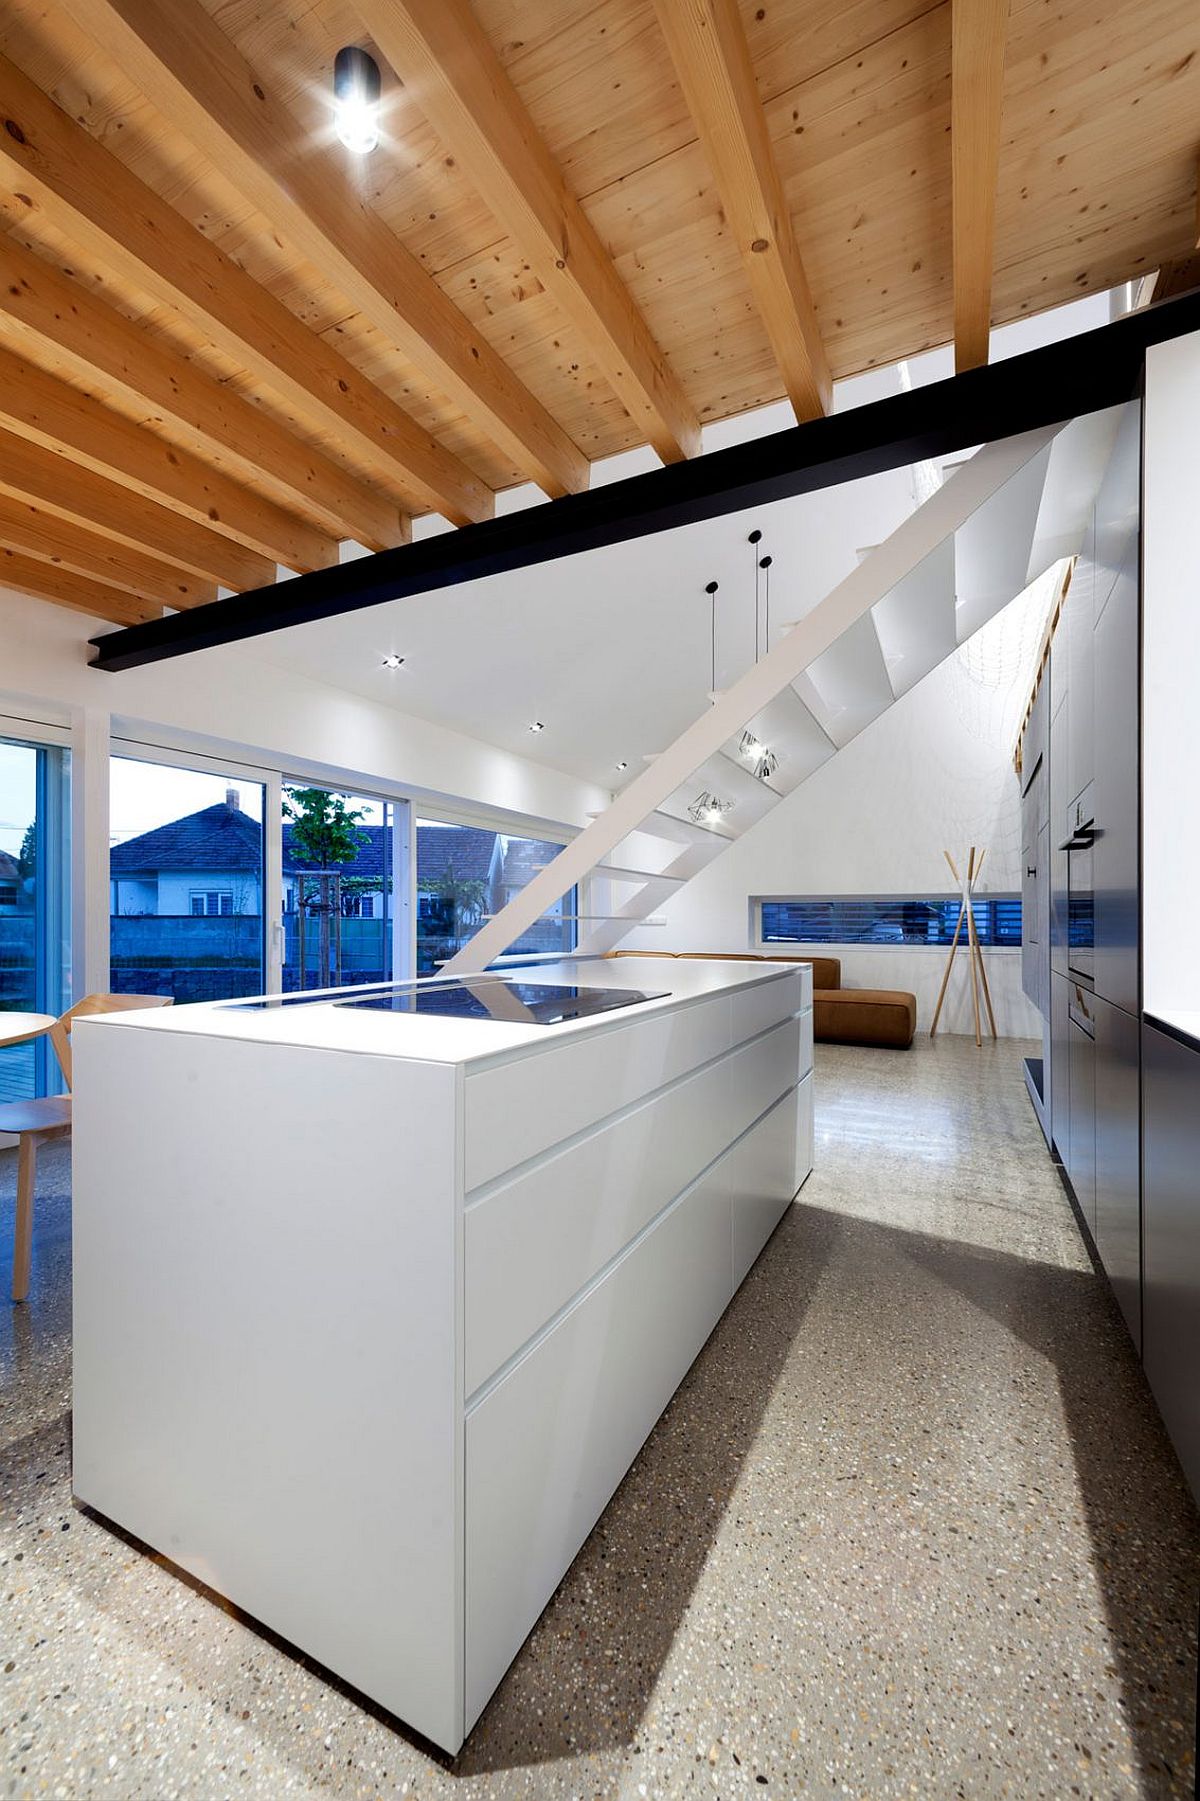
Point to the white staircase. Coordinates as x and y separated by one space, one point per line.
1001 520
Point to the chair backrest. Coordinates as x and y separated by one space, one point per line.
60 1031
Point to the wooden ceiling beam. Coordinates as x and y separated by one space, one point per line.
978 30
198 79
66 589
100 340
712 60
53 413
104 208
39 533
446 62
69 491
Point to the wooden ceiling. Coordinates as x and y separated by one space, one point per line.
226 343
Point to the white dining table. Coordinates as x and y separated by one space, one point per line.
16 1028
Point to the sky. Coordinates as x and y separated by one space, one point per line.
142 795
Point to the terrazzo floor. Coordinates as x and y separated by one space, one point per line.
910 1527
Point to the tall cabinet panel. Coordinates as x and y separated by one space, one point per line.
1171 1195
1118 1148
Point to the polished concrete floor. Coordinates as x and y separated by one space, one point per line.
910 1528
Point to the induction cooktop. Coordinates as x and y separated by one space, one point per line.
479 997
519 1003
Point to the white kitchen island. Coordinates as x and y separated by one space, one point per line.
374 1308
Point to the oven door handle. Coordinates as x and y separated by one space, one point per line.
1083 839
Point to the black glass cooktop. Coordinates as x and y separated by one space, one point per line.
478 997
520 1003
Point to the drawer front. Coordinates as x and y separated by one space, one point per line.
765 1171
514 1110
754 1009
548 1445
535 1242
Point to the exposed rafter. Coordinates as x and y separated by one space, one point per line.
66 589
37 532
198 78
978 29
448 65
102 206
712 59
29 471
100 340
53 413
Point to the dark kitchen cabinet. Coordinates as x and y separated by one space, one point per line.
1060 1067
1081 1130
1171 1238
1118 1231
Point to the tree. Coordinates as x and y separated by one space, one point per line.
324 828
325 832
27 855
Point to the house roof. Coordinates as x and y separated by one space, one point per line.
524 857
10 869
465 850
224 838
217 838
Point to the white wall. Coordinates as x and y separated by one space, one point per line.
1171 668
232 697
933 772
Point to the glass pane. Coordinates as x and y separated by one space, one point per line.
891 919
339 888
465 873
186 870
34 953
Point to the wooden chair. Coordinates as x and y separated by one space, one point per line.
36 1122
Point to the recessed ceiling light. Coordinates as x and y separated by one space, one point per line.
622 765
537 726
356 99
393 661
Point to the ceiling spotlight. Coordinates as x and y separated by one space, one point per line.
622 765
708 809
356 91
392 661
537 726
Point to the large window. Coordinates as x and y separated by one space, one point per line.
343 888
187 874
35 975
465 873
904 919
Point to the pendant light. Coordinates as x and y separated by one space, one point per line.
761 758
709 808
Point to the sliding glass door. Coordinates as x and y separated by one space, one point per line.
345 892
35 972
186 873
465 873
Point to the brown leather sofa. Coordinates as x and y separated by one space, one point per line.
879 1017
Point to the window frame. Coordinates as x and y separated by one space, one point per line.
765 946
53 956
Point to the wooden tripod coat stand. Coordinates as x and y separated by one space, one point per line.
974 951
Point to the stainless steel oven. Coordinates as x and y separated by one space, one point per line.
1081 898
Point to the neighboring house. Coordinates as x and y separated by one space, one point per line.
209 865
10 883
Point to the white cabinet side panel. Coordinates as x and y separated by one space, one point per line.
265 1382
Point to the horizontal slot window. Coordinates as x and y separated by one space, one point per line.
903 919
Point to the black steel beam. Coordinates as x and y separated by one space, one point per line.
1078 375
